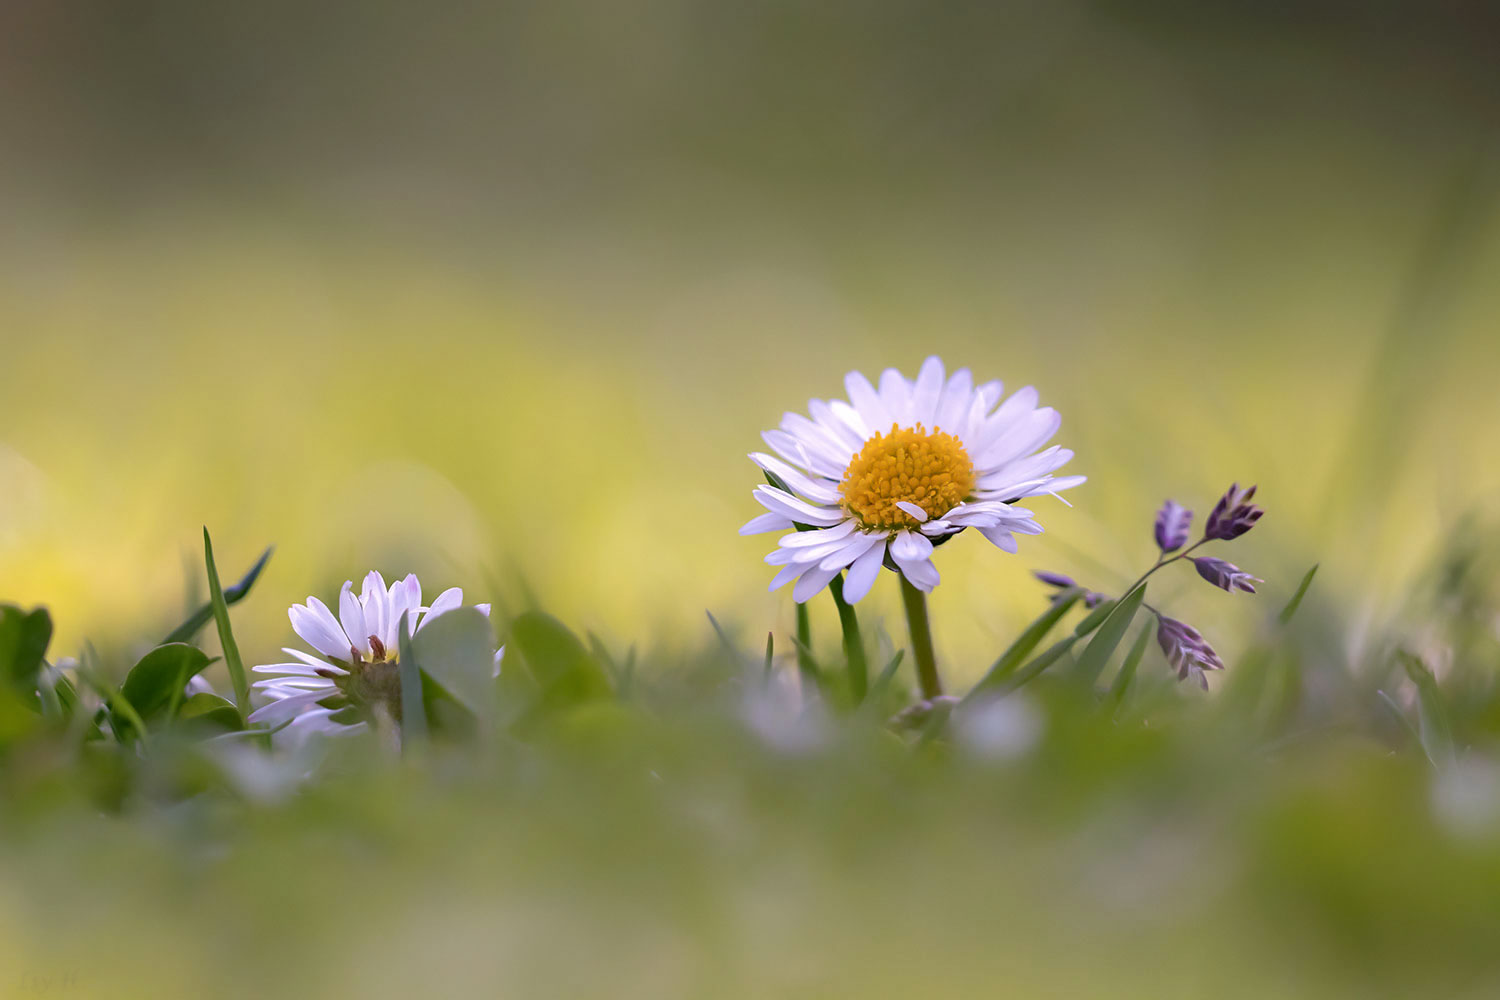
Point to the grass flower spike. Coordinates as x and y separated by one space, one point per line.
890 473
355 671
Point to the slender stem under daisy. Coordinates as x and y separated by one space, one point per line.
921 638
805 665
854 649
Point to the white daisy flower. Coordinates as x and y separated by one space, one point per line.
885 476
356 664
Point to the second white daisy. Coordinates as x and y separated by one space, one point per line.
356 668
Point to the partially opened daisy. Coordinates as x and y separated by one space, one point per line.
354 669
880 479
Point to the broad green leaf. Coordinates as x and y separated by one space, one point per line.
24 636
457 651
413 706
1432 716
1296 602
1112 629
210 709
564 672
226 632
1016 654
232 595
160 675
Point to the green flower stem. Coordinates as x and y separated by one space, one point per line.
805 663
854 649
921 638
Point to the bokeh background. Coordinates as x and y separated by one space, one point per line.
505 292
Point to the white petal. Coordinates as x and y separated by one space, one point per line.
808 539
319 629
866 402
1019 439
909 546
913 510
352 617
953 408
863 573
762 523
375 597
1003 539
895 393
811 582
926 391
851 550
821 492
800 511
786 575
448 600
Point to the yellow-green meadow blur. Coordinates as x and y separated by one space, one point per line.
504 294
509 294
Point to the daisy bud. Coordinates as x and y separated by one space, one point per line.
1172 524
1225 575
1185 648
1233 515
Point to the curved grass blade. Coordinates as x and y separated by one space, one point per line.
1296 602
1010 660
1112 629
232 595
1432 717
1120 686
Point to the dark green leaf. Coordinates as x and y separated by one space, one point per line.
160 675
211 710
562 672
24 636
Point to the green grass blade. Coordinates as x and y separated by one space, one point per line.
1010 660
205 614
226 632
1432 716
1038 664
1120 687
1296 602
1111 631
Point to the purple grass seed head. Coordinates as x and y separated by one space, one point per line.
1185 648
1173 522
1233 515
1225 575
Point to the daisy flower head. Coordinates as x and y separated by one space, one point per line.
354 666
881 478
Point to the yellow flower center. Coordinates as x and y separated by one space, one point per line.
930 470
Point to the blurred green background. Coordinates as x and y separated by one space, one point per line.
504 293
